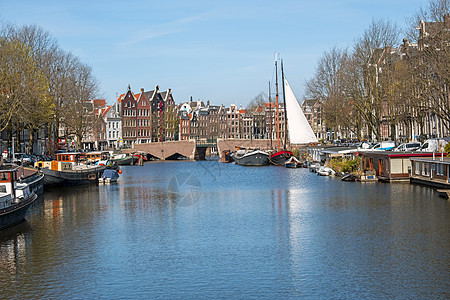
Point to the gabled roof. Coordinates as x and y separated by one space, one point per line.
106 110
309 102
150 95
120 98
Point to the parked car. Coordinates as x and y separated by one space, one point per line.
382 146
435 145
407 147
22 157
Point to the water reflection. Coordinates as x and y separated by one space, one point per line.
13 247
172 230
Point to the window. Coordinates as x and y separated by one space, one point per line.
440 169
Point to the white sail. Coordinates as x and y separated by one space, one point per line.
300 132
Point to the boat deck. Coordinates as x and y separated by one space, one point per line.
433 182
27 172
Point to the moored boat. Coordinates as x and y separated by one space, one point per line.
314 167
280 157
34 178
15 197
349 177
123 159
227 156
251 158
67 171
325 171
293 162
109 175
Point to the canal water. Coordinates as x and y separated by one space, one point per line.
208 230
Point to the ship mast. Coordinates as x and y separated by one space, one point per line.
270 117
276 89
285 112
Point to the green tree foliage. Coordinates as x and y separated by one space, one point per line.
42 85
345 165
447 149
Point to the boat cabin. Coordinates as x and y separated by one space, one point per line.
8 176
390 166
96 156
434 171
71 157
63 162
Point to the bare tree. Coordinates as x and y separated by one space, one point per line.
434 12
331 86
77 112
433 71
256 102
370 51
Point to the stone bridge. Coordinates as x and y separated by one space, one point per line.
166 150
188 149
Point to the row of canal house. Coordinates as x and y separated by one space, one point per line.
147 116
152 116
208 122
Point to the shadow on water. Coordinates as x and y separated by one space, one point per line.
13 232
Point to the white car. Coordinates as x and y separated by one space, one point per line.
407 147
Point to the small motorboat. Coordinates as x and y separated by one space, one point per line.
314 167
348 177
109 175
325 171
293 162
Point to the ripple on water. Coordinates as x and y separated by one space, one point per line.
212 230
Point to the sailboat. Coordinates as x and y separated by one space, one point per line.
298 128
280 157
300 132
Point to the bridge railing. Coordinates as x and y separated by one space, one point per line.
206 142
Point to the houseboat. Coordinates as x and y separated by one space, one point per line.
431 171
391 166
15 197
67 170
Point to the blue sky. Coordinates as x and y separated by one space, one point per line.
222 51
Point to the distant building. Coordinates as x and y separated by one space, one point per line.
113 126
312 108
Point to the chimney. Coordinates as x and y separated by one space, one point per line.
142 90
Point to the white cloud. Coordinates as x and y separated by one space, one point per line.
159 30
